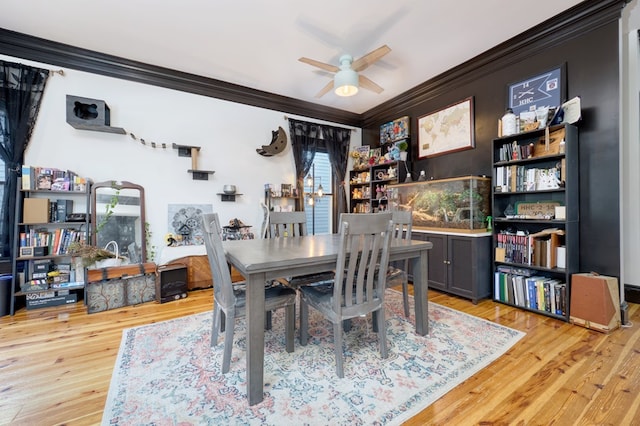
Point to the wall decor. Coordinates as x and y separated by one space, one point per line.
277 145
546 89
450 129
184 220
395 130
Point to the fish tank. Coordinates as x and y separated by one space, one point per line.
460 204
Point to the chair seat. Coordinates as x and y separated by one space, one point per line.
275 295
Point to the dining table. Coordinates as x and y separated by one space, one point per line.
262 260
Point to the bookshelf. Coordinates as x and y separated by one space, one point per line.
47 222
368 186
535 205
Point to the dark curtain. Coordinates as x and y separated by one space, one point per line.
21 89
336 141
304 143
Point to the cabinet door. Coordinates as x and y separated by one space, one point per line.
469 270
438 259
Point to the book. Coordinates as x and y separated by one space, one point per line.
44 179
63 208
27 178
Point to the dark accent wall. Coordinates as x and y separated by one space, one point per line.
585 38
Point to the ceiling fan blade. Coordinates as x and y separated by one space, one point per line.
366 83
321 65
325 89
371 57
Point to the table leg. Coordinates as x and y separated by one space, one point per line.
255 338
420 290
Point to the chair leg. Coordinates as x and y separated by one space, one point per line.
267 321
405 295
228 342
382 331
337 341
216 324
290 319
223 320
304 323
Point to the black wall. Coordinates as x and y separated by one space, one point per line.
589 48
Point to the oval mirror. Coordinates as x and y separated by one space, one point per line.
118 215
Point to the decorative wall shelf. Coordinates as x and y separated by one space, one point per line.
192 151
227 197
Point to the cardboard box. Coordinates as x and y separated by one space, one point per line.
35 210
595 302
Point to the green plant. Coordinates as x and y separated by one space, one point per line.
151 249
113 202
402 145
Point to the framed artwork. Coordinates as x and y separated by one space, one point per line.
395 130
450 129
546 89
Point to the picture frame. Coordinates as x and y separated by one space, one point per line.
544 89
447 130
394 131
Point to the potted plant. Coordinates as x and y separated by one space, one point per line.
403 146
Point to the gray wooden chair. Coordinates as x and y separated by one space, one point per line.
293 224
357 288
402 225
230 298
287 224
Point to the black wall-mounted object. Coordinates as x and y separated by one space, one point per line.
90 114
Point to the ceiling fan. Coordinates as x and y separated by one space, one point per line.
347 80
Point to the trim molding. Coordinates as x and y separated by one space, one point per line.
585 16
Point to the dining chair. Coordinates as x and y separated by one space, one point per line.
402 225
230 298
293 224
357 288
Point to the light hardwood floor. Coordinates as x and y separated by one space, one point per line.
56 364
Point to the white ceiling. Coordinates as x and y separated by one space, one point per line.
257 43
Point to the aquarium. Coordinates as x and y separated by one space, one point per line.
461 204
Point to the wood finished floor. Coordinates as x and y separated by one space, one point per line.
56 364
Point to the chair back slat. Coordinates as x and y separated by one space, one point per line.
287 224
365 244
222 284
402 224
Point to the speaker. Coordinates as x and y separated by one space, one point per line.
595 302
171 283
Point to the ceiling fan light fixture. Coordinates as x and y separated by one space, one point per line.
345 82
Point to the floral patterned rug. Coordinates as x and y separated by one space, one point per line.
167 373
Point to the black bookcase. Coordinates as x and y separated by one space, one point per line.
535 205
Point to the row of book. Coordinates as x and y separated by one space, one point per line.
521 179
544 248
57 241
515 151
45 178
532 292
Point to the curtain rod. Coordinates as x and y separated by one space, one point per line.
353 129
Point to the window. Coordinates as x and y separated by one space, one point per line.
3 178
319 213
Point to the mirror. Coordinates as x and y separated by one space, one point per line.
118 215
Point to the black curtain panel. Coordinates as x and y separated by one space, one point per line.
21 89
304 142
337 141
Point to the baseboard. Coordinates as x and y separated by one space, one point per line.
631 294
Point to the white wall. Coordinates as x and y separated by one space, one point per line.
228 134
629 147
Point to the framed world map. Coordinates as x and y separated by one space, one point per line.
450 129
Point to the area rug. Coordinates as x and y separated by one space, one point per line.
167 374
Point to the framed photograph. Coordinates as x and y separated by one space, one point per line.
545 89
450 129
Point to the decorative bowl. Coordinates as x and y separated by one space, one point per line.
229 189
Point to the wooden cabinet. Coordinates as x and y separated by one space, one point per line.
459 264
536 219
